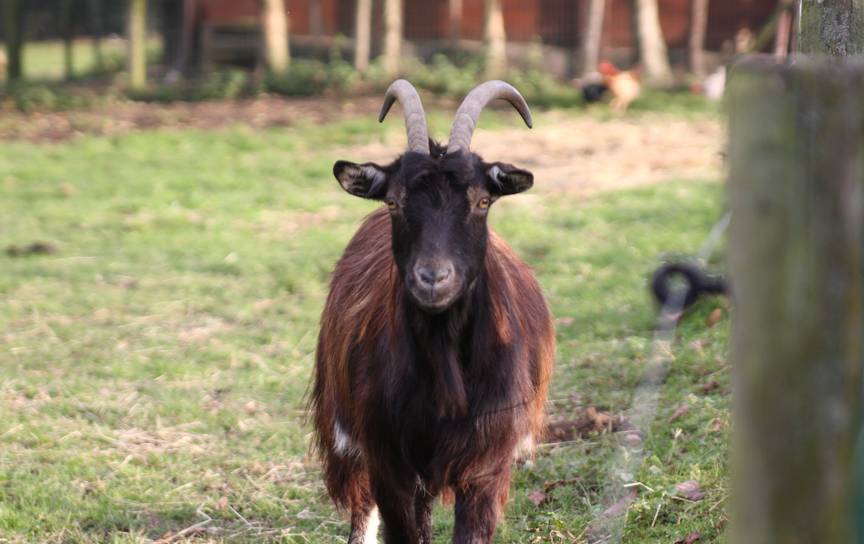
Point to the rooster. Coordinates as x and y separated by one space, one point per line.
624 85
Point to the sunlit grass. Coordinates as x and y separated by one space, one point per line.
153 368
43 60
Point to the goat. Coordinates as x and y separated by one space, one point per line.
436 344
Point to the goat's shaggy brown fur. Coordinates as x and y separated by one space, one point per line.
378 381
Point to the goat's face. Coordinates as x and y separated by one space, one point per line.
438 206
439 199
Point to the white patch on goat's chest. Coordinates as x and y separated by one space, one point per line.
342 443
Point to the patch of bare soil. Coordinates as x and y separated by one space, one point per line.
586 154
122 117
568 153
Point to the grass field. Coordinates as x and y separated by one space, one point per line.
153 367
43 61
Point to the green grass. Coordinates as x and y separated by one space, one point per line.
152 370
43 60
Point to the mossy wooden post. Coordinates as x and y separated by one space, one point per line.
832 27
795 258
137 38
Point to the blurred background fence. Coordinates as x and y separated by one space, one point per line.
207 32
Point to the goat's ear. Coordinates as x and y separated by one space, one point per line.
366 180
506 179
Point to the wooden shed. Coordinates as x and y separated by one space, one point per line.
554 22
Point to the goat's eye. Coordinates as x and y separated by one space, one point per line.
484 203
391 204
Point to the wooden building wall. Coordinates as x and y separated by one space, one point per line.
555 22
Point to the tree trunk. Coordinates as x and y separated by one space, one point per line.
274 29
13 18
392 36
455 16
187 37
171 19
793 34
746 42
781 39
362 35
68 36
795 259
97 30
316 22
137 38
495 39
178 38
593 36
832 27
652 45
698 26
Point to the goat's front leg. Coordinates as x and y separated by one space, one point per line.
364 523
395 500
423 502
478 508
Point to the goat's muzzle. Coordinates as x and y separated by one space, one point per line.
434 285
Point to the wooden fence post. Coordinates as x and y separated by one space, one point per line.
698 31
454 11
68 31
653 53
97 30
392 37
494 39
362 35
13 19
795 258
137 46
275 28
593 36
784 31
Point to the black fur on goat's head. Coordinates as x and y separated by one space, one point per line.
439 198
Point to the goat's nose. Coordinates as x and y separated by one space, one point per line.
434 276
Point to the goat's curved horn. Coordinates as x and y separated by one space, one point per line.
415 117
469 111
